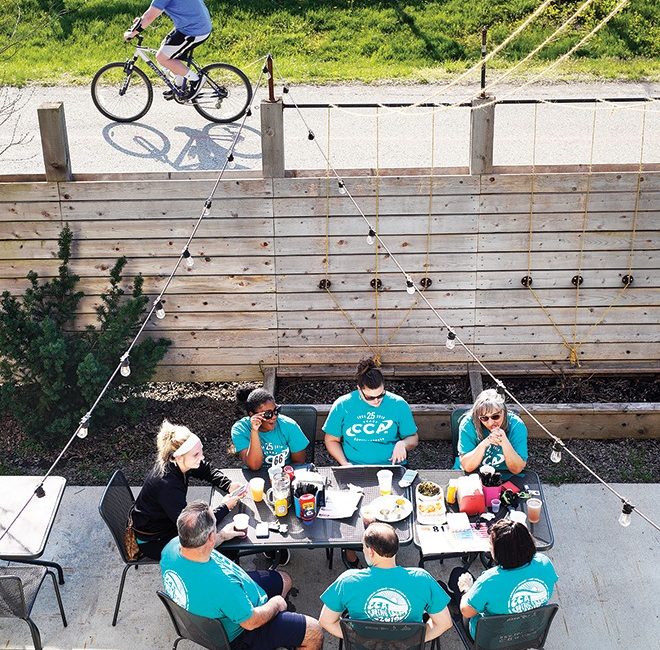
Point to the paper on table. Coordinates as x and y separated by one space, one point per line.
340 504
438 541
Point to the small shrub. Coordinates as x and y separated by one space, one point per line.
51 374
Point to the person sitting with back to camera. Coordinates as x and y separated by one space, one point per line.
521 580
384 591
370 426
192 26
490 435
250 606
163 496
266 437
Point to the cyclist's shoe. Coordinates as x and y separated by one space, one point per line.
168 94
192 89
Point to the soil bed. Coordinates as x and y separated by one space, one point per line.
210 409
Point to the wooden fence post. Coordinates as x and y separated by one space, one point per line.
54 141
272 139
482 130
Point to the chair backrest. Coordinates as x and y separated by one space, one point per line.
12 596
456 417
515 631
305 416
376 635
207 632
114 507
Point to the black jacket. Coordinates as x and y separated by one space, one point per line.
162 498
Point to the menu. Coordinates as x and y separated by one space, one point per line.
436 540
339 504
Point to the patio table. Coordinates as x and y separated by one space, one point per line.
541 531
26 540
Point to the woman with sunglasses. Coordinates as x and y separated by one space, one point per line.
370 426
264 437
489 435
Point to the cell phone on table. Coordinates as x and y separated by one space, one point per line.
261 529
510 486
408 477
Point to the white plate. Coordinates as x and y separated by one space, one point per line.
389 502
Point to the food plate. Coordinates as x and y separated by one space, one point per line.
395 511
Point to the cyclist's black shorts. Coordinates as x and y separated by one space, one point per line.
177 45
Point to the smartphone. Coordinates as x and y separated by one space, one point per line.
408 478
239 491
261 529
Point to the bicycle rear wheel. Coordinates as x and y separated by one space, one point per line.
225 95
122 92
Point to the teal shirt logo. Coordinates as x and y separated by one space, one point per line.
175 588
529 594
387 605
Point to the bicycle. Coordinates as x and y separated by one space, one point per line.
122 91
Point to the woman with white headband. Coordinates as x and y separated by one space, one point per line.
163 495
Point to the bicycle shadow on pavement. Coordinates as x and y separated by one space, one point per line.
204 149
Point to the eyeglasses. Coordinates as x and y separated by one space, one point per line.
373 398
270 413
494 417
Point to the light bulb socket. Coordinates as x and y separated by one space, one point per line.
160 310
40 492
310 135
285 89
555 455
230 157
500 389
627 508
410 286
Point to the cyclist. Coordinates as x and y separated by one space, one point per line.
192 26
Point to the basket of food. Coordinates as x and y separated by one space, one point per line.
430 501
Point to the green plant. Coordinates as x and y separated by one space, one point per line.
51 373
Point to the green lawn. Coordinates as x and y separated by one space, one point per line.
66 41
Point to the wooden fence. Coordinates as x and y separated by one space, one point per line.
253 298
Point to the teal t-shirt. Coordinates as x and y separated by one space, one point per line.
277 445
368 432
516 433
391 595
218 588
509 591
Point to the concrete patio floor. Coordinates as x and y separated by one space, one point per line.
608 592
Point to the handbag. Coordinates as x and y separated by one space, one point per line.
131 546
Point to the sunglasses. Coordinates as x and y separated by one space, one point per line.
270 413
373 398
495 417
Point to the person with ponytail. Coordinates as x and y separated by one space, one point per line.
370 426
163 496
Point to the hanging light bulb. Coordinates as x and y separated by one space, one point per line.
83 429
310 135
160 310
266 71
450 343
125 368
207 207
371 237
188 258
230 161
500 388
341 187
555 455
249 112
285 90
626 512
410 285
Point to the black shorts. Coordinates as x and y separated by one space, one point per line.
176 45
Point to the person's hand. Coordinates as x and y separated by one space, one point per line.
234 485
399 453
229 501
129 35
280 603
255 421
464 582
497 436
228 532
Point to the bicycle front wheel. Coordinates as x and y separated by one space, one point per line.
122 92
225 95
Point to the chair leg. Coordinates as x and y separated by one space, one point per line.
59 597
121 589
329 556
176 643
34 630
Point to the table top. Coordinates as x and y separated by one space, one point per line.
27 538
321 533
541 532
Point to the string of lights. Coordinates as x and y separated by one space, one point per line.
157 307
452 337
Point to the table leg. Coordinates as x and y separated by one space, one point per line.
54 565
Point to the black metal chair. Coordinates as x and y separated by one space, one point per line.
455 421
305 416
510 631
375 635
114 507
19 587
207 632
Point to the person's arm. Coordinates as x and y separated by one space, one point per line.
329 621
471 460
298 457
514 462
226 533
147 18
264 613
333 445
214 476
403 447
253 455
466 609
437 624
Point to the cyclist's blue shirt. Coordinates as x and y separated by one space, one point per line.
189 16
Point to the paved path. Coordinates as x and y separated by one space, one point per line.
175 138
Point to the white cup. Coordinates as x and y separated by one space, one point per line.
385 481
241 522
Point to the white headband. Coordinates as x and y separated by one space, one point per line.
188 444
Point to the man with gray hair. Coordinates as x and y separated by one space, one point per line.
250 606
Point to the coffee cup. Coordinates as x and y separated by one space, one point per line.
534 510
241 523
257 488
384 481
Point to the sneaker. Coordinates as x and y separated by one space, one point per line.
168 94
192 89
284 556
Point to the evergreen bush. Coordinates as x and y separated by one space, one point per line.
52 373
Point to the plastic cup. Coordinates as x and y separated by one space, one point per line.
384 481
495 506
257 488
534 510
368 515
241 522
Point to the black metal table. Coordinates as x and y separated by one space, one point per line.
321 533
541 532
26 540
